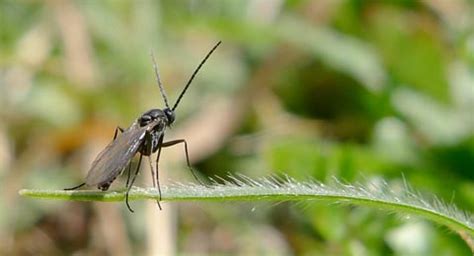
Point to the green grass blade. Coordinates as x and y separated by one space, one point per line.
379 196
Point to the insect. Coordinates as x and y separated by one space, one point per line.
145 137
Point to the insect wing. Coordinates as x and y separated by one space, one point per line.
111 161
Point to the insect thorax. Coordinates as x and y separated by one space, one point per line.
151 143
151 116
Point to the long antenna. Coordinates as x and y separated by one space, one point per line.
194 74
158 80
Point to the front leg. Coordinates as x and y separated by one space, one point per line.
174 142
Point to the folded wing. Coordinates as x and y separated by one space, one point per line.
115 157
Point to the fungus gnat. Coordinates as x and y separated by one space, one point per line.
145 136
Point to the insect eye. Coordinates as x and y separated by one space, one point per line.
169 115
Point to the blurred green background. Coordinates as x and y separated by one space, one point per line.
352 89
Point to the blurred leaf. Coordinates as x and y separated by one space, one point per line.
411 239
439 124
342 52
51 103
410 47
393 141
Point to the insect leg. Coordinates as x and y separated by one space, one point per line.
149 142
116 131
149 149
76 187
160 142
131 183
128 173
174 142
154 183
152 172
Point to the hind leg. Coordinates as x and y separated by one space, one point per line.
76 187
131 184
174 142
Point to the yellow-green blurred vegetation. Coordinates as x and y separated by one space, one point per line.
357 90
